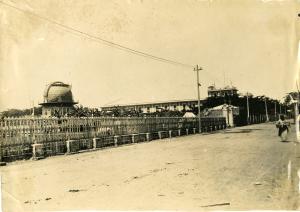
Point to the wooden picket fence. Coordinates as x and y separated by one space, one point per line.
19 134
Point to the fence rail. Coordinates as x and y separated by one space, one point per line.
17 135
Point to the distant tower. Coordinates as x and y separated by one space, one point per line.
58 100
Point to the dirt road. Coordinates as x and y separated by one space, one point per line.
237 169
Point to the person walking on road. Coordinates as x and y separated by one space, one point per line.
283 128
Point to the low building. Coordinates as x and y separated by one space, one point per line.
176 105
225 110
58 100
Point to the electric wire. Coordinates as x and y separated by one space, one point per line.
99 39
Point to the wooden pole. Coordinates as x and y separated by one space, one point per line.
266 108
197 69
248 112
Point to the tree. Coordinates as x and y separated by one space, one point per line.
22 112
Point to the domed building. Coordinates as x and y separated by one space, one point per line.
58 100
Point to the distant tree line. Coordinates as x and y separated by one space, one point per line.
256 107
22 112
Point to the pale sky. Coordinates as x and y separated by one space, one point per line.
253 44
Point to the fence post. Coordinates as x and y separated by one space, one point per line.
179 132
170 133
94 143
116 140
37 151
68 147
187 131
56 147
72 146
159 134
133 138
148 136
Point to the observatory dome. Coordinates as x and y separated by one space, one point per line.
58 92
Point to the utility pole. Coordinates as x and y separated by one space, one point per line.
279 108
197 69
248 112
32 107
275 111
296 106
266 108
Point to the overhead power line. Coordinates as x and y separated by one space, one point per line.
99 39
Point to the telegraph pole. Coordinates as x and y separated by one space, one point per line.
248 112
275 111
279 107
197 69
32 108
266 108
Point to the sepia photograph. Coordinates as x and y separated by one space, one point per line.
149 105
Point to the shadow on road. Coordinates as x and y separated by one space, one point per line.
241 131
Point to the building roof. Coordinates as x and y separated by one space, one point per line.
220 107
226 88
189 115
58 93
152 103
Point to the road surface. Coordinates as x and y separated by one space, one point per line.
237 169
